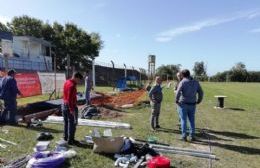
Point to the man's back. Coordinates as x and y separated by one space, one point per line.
187 90
9 88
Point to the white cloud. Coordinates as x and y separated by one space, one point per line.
168 35
255 30
4 19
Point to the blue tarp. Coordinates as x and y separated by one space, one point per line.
6 35
121 83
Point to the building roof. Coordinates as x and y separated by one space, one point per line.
34 39
6 35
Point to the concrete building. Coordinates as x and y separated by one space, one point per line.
25 53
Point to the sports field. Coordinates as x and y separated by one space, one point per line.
233 134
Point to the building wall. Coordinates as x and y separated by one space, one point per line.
25 49
31 56
6 46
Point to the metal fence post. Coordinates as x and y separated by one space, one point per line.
93 73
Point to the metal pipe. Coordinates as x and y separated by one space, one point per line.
55 74
180 149
125 71
201 155
93 73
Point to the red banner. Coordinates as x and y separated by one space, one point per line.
29 84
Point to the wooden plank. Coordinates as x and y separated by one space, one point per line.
39 115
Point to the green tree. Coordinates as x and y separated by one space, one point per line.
168 70
199 70
238 73
66 40
3 27
25 25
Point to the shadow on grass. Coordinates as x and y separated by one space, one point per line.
44 129
235 148
168 130
235 109
39 129
231 134
205 135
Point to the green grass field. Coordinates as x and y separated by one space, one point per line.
234 132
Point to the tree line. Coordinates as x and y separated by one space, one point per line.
170 71
68 39
238 73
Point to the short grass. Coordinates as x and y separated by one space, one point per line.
234 132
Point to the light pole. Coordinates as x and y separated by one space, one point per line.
55 73
113 74
93 73
125 71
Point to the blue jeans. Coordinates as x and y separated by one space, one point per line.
87 96
187 111
179 115
155 113
10 106
70 123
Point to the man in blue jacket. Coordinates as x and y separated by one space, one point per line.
9 93
186 99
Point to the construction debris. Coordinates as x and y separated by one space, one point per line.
180 151
92 123
20 162
39 115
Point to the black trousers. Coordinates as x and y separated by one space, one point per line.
70 123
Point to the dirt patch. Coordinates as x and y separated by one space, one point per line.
130 97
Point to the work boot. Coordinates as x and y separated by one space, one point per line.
157 126
152 129
183 139
74 142
192 139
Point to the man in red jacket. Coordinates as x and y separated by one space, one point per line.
69 107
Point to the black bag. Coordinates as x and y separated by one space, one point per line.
89 111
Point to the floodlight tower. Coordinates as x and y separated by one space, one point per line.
151 66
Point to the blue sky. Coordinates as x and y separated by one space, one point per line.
220 33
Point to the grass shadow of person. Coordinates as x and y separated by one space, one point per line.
235 109
168 130
205 135
235 148
230 134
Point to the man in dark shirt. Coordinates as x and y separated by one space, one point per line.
186 100
9 91
156 96
69 107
